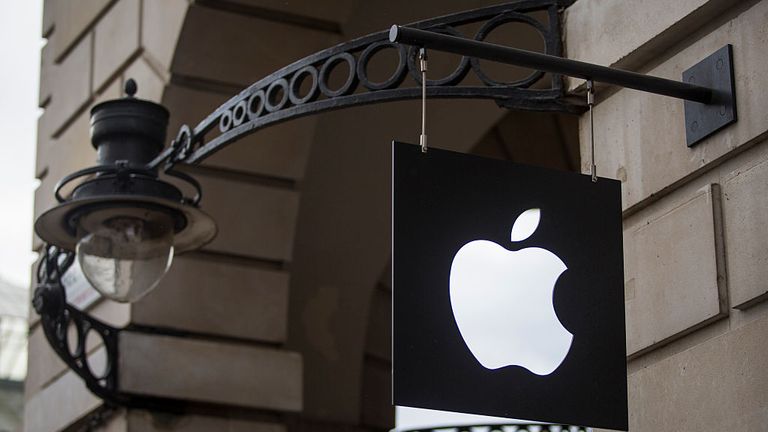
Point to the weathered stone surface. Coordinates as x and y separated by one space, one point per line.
207 371
745 209
329 10
242 50
218 298
49 17
718 385
116 39
62 403
43 364
675 274
70 87
640 137
150 85
72 21
161 23
278 151
253 220
626 34
145 421
46 78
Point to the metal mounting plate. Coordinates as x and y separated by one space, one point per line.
715 72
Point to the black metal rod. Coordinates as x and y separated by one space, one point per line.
549 63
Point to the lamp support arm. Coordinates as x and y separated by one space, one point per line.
549 63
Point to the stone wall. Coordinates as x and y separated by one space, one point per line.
695 243
285 316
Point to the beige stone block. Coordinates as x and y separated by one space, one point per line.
628 34
207 371
62 403
240 49
61 156
46 69
640 137
116 39
43 364
161 23
675 270
253 220
277 151
745 208
718 385
337 11
218 298
150 85
73 19
49 17
70 88
145 421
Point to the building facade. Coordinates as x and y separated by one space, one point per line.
282 323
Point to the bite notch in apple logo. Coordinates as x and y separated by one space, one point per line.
502 301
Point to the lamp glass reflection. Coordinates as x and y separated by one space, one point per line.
124 252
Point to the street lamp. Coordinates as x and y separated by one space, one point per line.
124 222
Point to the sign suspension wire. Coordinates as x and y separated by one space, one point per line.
423 68
590 104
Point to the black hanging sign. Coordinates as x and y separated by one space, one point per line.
508 290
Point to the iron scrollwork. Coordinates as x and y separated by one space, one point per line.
278 97
61 321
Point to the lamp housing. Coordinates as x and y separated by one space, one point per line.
123 221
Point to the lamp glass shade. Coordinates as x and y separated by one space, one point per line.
124 252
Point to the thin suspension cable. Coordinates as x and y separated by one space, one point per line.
423 67
590 104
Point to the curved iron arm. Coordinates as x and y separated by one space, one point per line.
277 97
505 427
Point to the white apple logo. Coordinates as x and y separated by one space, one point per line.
503 305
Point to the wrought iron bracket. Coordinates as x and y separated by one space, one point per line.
57 317
707 87
278 97
715 72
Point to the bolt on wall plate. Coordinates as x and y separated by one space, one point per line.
715 72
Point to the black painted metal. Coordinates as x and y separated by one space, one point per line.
505 427
56 316
258 106
715 72
128 129
549 63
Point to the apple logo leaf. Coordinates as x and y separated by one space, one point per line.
525 224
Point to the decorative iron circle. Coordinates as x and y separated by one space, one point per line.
74 348
365 58
225 121
492 24
325 71
183 143
239 113
256 104
280 83
296 81
454 78
86 359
